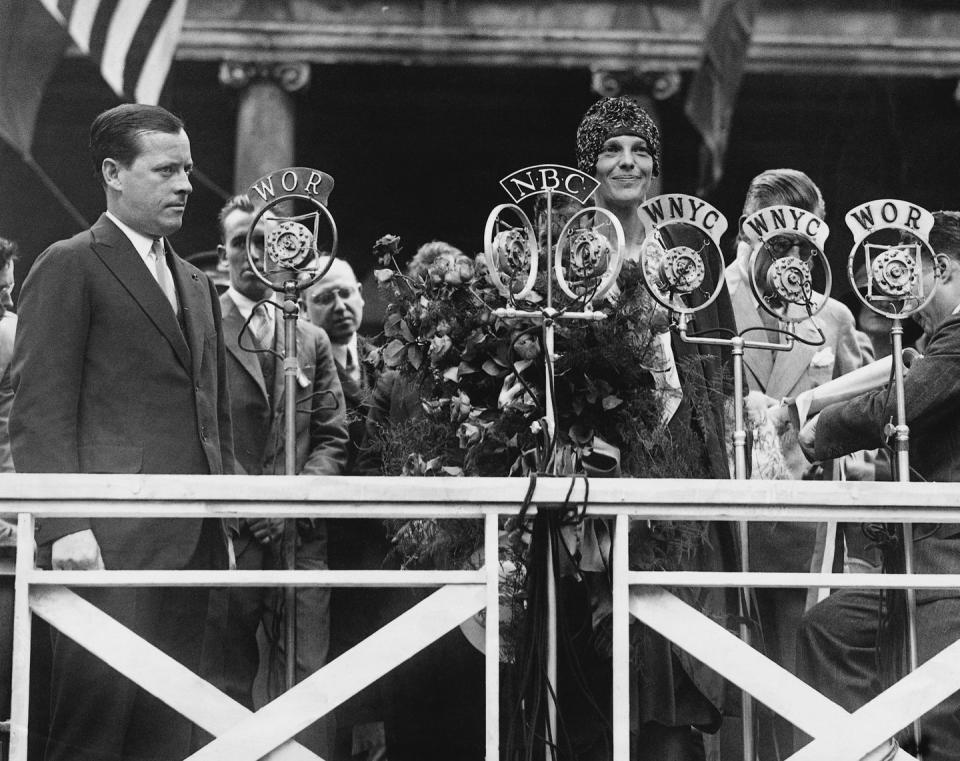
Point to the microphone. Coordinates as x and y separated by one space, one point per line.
290 260
683 232
510 252
290 245
788 268
890 251
587 263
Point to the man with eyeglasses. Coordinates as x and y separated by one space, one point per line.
335 304
772 376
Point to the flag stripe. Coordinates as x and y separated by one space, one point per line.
157 65
120 33
100 28
81 22
149 33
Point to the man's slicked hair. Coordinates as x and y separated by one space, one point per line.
945 234
115 134
783 187
8 252
234 203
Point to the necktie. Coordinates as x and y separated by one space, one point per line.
162 273
261 328
351 366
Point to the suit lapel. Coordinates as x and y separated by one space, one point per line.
232 325
118 254
790 366
193 293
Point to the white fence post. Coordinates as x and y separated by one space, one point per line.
621 640
491 554
20 688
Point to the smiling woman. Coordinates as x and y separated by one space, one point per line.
619 144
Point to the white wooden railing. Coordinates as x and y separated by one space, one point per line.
241 735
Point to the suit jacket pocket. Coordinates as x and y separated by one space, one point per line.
111 458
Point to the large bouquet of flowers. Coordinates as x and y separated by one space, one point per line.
480 384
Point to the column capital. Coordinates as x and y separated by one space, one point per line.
290 76
658 85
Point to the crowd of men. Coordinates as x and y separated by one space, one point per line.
124 358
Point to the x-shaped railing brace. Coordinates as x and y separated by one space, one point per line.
838 735
240 734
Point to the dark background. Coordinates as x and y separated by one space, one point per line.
419 152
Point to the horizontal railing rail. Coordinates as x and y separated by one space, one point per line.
463 592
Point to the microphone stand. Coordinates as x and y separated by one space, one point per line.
548 315
901 435
291 253
737 345
291 311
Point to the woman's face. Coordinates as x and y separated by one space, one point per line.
624 170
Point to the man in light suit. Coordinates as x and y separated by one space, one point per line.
837 643
255 375
119 367
778 374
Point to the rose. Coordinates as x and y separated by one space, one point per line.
459 407
386 249
527 346
439 346
468 433
459 271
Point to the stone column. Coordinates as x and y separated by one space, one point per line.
266 116
645 87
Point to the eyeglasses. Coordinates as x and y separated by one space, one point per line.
329 296
781 245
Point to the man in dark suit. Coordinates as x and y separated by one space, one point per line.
256 381
119 367
836 642
335 304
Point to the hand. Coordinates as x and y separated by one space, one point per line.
266 530
779 417
76 552
806 438
755 405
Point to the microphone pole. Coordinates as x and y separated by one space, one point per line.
894 280
289 264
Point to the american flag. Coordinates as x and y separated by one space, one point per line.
132 41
